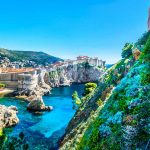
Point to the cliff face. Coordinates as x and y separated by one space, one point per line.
39 89
78 73
116 115
34 95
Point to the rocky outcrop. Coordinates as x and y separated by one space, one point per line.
8 116
75 73
34 96
40 89
42 83
38 105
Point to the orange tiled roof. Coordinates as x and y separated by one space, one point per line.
14 70
82 57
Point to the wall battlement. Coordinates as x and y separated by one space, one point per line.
24 78
80 59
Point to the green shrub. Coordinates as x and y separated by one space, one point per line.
94 139
2 85
13 143
127 50
75 95
134 122
89 87
122 105
76 100
99 102
146 52
145 58
143 39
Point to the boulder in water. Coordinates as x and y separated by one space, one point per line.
38 105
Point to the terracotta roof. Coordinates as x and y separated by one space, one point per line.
82 57
14 70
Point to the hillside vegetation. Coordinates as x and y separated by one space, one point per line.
117 114
37 57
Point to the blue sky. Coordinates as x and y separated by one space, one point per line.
68 28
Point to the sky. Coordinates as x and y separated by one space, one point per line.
68 28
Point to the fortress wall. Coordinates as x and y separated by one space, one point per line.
11 80
27 82
93 62
8 77
26 86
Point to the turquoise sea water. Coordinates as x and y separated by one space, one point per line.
42 131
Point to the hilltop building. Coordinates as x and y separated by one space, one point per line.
80 59
92 61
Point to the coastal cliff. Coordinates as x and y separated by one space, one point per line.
116 114
75 73
34 94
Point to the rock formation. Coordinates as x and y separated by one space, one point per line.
38 105
34 96
8 116
77 73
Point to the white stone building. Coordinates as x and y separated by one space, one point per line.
27 81
92 61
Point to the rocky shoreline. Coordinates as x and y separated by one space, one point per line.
75 73
8 116
80 73
64 76
34 97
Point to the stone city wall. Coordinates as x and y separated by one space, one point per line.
18 79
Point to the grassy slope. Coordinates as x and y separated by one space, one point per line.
123 122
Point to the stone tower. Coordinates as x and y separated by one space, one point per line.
149 20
